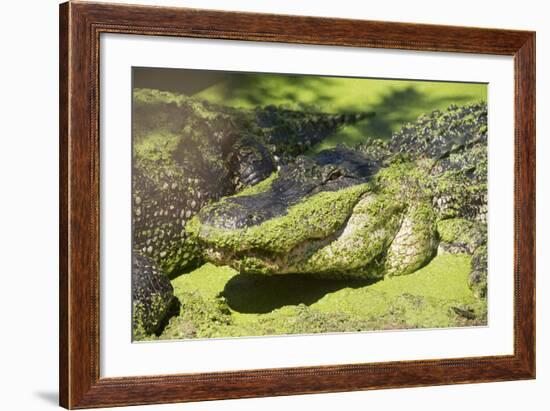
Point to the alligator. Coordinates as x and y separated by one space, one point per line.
384 208
236 187
189 153
152 296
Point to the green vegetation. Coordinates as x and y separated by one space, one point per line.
459 230
262 186
219 302
395 102
389 226
318 217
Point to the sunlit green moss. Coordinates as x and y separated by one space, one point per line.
318 217
262 186
367 234
393 101
459 230
223 303
147 320
430 297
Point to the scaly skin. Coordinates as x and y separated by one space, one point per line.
187 154
384 208
153 300
380 213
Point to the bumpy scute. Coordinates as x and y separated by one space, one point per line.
415 243
459 235
478 275
189 153
152 297
381 209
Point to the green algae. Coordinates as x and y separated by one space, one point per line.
317 217
219 302
203 315
393 101
459 230
260 187
415 243
367 234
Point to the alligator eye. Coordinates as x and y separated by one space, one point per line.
334 175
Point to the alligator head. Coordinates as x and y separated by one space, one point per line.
189 153
367 212
315 216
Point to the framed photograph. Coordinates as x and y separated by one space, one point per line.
259 205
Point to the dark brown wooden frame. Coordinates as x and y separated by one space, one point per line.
80 27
